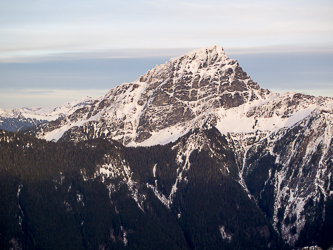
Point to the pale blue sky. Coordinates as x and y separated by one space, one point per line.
57 51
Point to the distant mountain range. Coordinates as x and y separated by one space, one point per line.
19 119
217 162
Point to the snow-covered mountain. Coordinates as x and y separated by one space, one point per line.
22 118
282 143
202 87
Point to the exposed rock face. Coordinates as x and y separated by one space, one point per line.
182 94
289 172
203 87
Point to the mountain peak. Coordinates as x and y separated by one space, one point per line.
203 57
166 102
208 50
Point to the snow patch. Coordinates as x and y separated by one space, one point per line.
160 196
56 134
154 170
224 234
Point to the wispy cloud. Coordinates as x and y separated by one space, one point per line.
48 55
15 98
45 27
47 34
286 49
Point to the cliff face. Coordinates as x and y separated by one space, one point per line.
289 172
165 103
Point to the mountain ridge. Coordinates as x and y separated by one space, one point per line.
186 92
22 118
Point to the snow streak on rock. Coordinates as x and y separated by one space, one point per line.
115 172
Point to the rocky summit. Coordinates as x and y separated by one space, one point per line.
220 147
198 88
201 88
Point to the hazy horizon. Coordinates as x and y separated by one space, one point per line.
55 52
48 82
